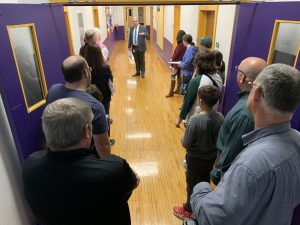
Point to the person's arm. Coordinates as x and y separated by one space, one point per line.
100 130
144 32
110 76
130 38
130 180
233 144
189 97
190 134
185 60
179 52
102 144
231 202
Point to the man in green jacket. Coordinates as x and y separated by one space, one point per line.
238 121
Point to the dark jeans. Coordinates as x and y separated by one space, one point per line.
198 170
139 59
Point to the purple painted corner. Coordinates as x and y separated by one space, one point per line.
119 33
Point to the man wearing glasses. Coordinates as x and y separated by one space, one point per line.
262 184
238 120
77 75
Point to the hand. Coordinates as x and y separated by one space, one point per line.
177 124
138 179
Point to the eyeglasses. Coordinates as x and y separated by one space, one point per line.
236 68
251 84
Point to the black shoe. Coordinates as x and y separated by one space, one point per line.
136 74
112 141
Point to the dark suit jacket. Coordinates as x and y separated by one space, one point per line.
141 38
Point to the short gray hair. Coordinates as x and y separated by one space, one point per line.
63 122
89 35
280 86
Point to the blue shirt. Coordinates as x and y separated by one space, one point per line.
58 91
261 187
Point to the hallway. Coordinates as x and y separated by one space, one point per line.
146 136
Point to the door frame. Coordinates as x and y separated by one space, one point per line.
202 21
176 27
69 30
96 19
125 17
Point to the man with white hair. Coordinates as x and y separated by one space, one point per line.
262 185
137 43
67 184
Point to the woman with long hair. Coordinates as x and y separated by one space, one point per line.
101 73
220 64
175 70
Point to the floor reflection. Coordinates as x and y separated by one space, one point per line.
145 169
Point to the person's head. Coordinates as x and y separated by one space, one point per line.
94 57
276 91
180 35
187 39
67 124
95 92
135 21
208 95
76 69
97 33
248 70
204 62
90 36
205 42
219 60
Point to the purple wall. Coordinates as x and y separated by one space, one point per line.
167 53
110 42
148 29
52 38
253 35
119 33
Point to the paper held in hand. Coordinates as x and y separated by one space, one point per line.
174 62
130 57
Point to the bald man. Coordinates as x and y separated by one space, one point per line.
137 43
77 75
238 121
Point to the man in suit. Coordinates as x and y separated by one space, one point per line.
137 43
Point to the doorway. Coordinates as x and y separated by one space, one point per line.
130 12
207 22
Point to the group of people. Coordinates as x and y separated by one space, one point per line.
251 156
244 168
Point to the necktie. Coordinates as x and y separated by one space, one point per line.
135 34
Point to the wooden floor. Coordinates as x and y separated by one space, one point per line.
146 136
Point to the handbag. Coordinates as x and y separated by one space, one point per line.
111 87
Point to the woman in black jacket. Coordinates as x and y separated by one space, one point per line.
101 73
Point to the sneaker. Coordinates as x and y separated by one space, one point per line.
110 121
136 74
112 141
182 213
184 164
